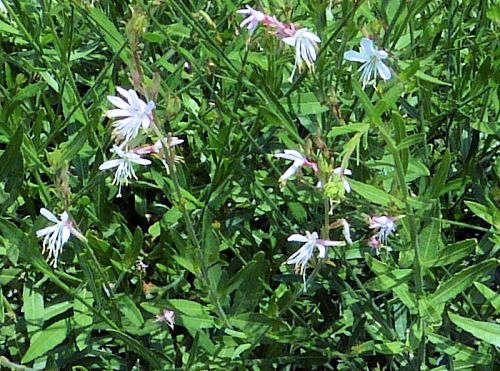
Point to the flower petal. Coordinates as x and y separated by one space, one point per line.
110 164
322 251
367 47
330 243
66 233
297 238
46 213
118 102
347 186
118 113
290 40
383 71
124 93
353 56
42 232
140 161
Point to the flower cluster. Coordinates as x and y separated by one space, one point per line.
133 114
335 188
305 44
304 41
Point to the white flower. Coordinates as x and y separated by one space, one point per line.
345 231
141 267
125 170
372 61
253 19
342 172
385 224
302 255
168 316
172 141
56 235
135 113
298 162
304 42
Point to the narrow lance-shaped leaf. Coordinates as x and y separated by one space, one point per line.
459 282
486 331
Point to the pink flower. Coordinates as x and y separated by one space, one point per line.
385 225
373 242
168 316
254 17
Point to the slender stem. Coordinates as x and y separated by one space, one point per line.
409 210
189 224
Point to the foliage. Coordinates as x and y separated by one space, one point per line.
213 234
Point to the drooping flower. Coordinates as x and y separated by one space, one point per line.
298 161
374 242
385 225
346 231
56 235
254 17
302 255
304 42
124 166
134 113
168 316
342 172
372 62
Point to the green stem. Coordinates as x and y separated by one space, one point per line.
189 225
409 210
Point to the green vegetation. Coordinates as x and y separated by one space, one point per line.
422 146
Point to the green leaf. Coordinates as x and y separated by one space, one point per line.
431 79
45 340
298 211
11 171
460 281
132 251
407 298
8 274
33 308
71 149
377 266
389 98
113 38
30 91
457 350
430 243
388 281
455 252
486 331
439 179
484 213
303 104
491 296
374 194
83 317
346 129
410 141
56 309
130 311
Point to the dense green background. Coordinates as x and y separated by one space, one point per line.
424 144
